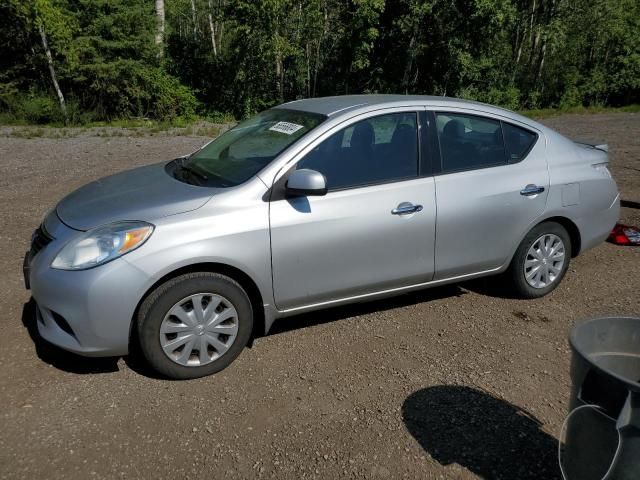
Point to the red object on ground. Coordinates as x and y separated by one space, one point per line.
624 235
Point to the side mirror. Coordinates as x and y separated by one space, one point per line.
305 182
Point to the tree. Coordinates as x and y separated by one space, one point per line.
104 59
159 39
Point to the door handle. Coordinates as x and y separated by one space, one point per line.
405 208
531 190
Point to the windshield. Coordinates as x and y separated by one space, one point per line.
243 151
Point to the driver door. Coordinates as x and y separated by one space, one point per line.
374 230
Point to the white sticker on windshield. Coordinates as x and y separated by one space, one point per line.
286 127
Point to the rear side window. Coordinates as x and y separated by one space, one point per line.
468 142
518 141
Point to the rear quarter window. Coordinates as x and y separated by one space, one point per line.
518 141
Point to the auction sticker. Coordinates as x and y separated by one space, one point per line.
286 127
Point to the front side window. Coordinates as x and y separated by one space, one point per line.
468 142
375 150
243 151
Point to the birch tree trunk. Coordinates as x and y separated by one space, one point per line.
159 40
52 70
518 48
212 31
220 25
316 64
534 46
279 77
533 13
410 58
193 18
279 67
543 52
307 57
315 67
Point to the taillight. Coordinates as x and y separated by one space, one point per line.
624 235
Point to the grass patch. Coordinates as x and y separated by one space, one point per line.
9 119
27 132
555 112
120 128
210 126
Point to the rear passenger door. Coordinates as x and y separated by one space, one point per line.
491 185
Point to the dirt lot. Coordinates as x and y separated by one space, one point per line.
454 382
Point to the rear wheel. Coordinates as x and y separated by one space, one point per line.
194 325
541 261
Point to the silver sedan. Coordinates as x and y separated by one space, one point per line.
311 204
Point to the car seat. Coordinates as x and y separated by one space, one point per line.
455 150
401 161
358 162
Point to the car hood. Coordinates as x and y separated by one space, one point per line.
145 193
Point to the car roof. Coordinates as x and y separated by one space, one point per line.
332 106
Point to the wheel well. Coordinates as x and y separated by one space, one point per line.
245 281
572 230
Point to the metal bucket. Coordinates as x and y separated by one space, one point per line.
602 439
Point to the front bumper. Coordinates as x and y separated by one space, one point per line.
88 312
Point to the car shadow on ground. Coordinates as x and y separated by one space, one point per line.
344 312
73 363
488 436
59 358
492 286
629 204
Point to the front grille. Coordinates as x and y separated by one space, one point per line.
39 240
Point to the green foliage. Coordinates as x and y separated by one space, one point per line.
33 108
119 74
242 56
127 88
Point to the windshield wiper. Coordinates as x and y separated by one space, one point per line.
194 172
203 178
189 174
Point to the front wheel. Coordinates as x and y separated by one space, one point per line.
541 261
194 325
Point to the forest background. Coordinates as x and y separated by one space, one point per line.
77 62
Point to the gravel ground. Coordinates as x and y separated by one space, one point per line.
453 382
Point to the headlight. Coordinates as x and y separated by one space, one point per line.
101 245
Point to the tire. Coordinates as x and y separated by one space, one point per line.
516 275
169 315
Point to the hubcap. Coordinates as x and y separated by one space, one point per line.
199 329
544 261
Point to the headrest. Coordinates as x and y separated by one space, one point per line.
363 135
453 129
404 133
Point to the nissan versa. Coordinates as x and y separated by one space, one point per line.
312 204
